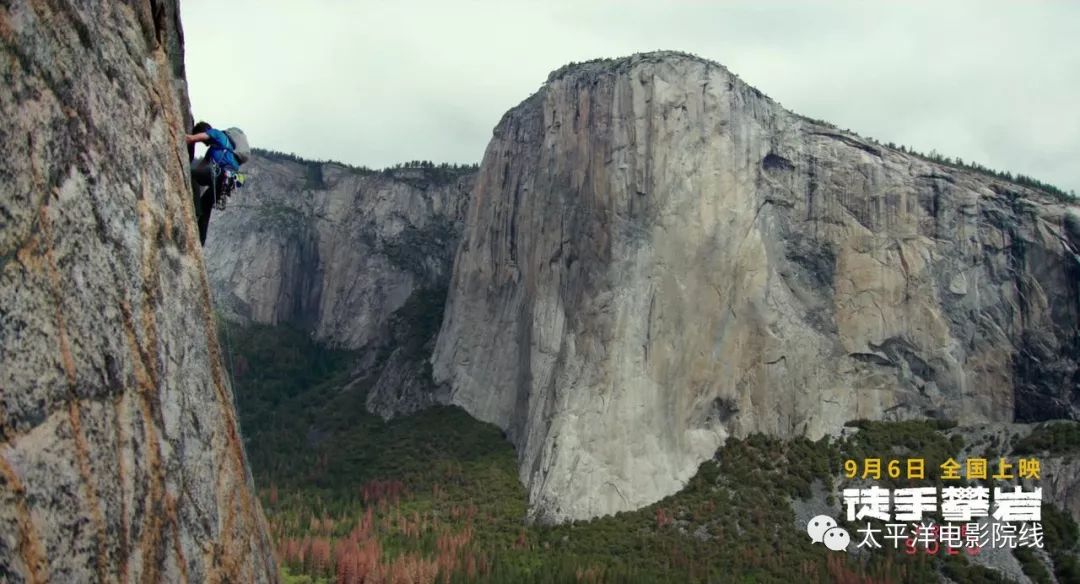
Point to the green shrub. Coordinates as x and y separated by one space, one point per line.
1052 438
1032 567
314 448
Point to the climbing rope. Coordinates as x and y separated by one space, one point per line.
214 172
231 181
229 363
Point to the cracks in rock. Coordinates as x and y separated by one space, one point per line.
850 142
881 312
892 409
34 230
97 516
772 201
907 271
757 213
626 502
932 176
67 360
648 326
720 298
30 546
149 542
124 542
873 358
873 299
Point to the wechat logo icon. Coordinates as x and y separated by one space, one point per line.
823 529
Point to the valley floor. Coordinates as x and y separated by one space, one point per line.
435 497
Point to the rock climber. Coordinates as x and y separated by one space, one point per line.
209 175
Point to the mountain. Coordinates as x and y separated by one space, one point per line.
653 258
121 458
659 286
360 259
657 257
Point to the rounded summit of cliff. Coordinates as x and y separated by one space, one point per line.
621 64
684 62
656 256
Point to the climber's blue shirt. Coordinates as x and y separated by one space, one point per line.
219 150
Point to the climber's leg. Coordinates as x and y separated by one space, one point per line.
206 205
202 182
201 175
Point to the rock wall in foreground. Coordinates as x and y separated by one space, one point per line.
657 256
120 457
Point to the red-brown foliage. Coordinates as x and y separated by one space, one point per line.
357 562
358 558
383 494
662 518
840 572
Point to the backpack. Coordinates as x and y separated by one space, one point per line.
241 149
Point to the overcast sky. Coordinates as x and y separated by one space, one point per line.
374 83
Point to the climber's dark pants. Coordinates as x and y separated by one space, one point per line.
201 176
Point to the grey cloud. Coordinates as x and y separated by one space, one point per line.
375 83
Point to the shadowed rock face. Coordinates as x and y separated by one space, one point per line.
339 252
657 256
120 458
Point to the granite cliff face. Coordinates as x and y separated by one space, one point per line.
354 256
657 256
120 457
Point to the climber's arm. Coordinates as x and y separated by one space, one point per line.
200 137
